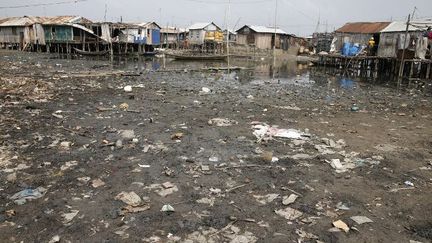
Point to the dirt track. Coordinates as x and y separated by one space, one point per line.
63 126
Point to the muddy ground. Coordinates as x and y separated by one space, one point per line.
66 130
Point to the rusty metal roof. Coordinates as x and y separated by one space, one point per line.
363 27
30 20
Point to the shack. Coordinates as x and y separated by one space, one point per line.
152 32
16 32
170 37
201 33
60 33
263 37
232 36
358 33
417 44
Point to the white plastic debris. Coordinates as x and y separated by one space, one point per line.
361 219
222 122
264 131
167 208
205 90
289 213
409 183
287 200
68 217
27 195
128 88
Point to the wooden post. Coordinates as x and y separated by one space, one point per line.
411 73
428 71
401 68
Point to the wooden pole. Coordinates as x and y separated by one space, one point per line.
428 71
401 68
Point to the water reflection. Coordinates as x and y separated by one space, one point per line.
260 72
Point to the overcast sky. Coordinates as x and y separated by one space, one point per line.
299 17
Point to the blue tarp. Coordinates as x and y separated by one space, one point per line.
350 49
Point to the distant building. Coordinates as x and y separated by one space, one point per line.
391 39
171 36
151 31
358 32
33 32
263 37
201 33
232 36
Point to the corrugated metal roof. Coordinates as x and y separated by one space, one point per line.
363 27
30 20
170 30
148 24
198 26
265 30
416 25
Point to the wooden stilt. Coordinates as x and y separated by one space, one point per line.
428 71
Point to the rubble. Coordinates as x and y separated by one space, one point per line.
242 161
130 198
289 213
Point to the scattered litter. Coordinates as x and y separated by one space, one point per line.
214 159
23 196
132 209
263 131
167 171
68 165
287 200
409 183
167 185
342 206
143 166
209 201
267 156
177 136
167 191
57 116
127 134
266 199
167 208
205 90
205 168
386 147
124 106
305 235
130 198
68 217
361 219
65 145
289 213
336 164
97 183
301 156
341 225
355 108
84 179
127 88
222 122
11 177
122 232
289 107
55 239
